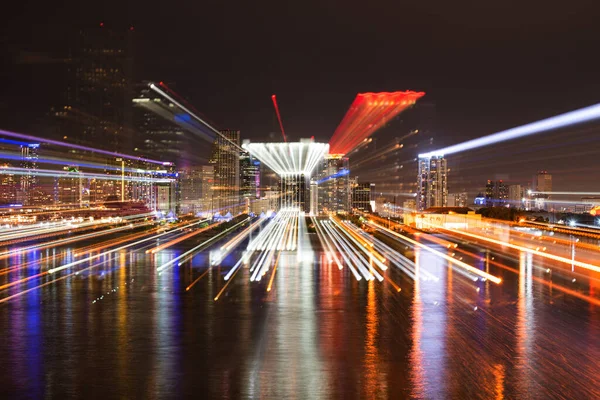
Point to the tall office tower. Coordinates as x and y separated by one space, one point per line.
543 183
158 135
98 109
496 193
249 176
8 186
432 182
515 196
334 184
29 193
363 196
225 159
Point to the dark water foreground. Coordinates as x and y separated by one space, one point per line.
317 334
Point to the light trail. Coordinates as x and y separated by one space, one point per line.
53 173
289 159
191 285
225 286
185 256
89 258
273 274
182 238
464 265
568 193
5 299
564 260
323 239
560 121
233 243
368 113
357 262
274 98
76 146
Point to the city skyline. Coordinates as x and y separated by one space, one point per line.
317 199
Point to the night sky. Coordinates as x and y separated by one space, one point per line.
486 65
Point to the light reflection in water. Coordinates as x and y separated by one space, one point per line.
525 323
428 355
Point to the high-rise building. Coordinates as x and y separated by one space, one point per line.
160 129
225 159
515 196
543 183
363 196
98 109
249 176
432 182
28 193
334 184
8 186
496 193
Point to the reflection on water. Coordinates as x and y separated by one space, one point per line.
429 327
121 330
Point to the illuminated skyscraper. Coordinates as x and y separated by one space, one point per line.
29 193
250 176
334 184
8 186
496 193
432 182
363 196
225 159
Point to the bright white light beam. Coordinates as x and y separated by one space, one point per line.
559 121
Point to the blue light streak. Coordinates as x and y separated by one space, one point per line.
339 174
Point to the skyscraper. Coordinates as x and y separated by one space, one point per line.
159 138
8 186
515 196
334 184
363 196
543 182
225 159
98 109
432 182
249 176
496 193
28 191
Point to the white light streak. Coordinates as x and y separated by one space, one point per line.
299 158
560 121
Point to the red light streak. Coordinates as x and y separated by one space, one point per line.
367 114
278 117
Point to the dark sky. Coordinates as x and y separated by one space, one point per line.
486 65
